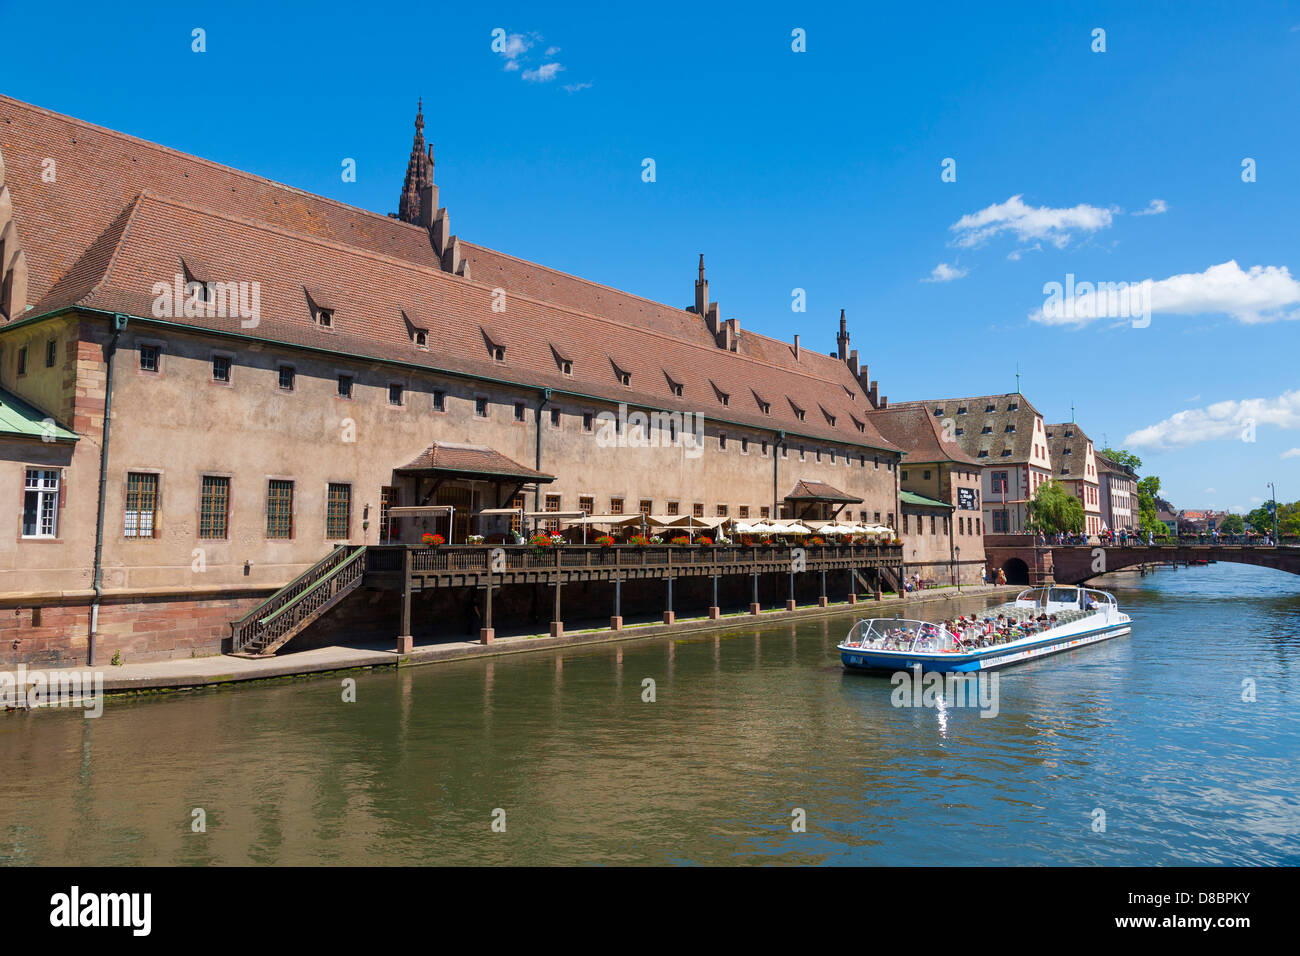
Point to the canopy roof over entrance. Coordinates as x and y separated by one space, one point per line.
455 460
806 490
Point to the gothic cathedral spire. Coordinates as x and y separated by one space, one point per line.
419 174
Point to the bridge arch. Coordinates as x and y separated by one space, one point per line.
1016 570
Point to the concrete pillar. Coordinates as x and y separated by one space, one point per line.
669 616
486 633
715 611
822 601
790 602
754 607
616 622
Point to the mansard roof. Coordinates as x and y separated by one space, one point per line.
125 213
1063 436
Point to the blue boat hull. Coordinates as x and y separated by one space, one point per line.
988 658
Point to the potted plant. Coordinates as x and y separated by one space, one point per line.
681 541
432 540
475 539
541 542
817 540
706 541
605 541
638 541
722 541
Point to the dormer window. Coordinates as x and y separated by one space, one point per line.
194 286
723 397
961 409
325 318
563 360
798 412
990 408
1013 406
495 345
987 430
1010 428
421 339
623 375
1006 453
938 412
983 453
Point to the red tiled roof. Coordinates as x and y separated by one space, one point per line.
915 430
805 490
472 459
124 213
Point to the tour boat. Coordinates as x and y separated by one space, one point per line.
1040 621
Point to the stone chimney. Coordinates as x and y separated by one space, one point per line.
796 347
853 362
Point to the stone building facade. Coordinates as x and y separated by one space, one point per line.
283 369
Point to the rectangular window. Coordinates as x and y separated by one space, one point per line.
279 508
765 511
214 507
552 504
586 421
439 400
744 446
587 504
286 377
338 511
41 503
141 505
555 418
673 508
387 525
519 411
51 353
904 476
722 441
722 511
906 528
22 360
932 531
645 505
744 511
481 407
697 509
999 482
221 368
616 506
1000 522
395 394
519 502
925 475
148 358
345 386
891 519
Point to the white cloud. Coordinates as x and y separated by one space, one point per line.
1154 208
1208 491
515 46
552 50
1056 226
544 73
1291 453
1251 296
1222 420
576 87
945 273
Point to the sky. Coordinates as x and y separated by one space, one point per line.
930 168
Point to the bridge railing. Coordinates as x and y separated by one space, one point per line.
1136 541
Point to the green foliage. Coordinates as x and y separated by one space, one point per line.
1054 510
1125 459
1148 489
1288 518
1232 524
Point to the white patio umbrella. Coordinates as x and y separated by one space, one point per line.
795 528
830 530
743 527
761 528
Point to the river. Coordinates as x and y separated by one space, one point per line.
1137 751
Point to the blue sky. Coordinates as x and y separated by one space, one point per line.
816 170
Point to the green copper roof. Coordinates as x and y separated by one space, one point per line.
912 498
20 420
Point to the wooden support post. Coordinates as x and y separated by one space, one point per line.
616 622
754 607
486 633
823 600
790 603
405 642
715 611
669 616
877 577
557 622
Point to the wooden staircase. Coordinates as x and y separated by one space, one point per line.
271 624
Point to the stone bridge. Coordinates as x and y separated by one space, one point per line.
1026 562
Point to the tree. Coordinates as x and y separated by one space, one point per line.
1125 459
1148 510
1053 510
1232 524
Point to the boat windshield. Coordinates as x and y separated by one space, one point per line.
897 634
